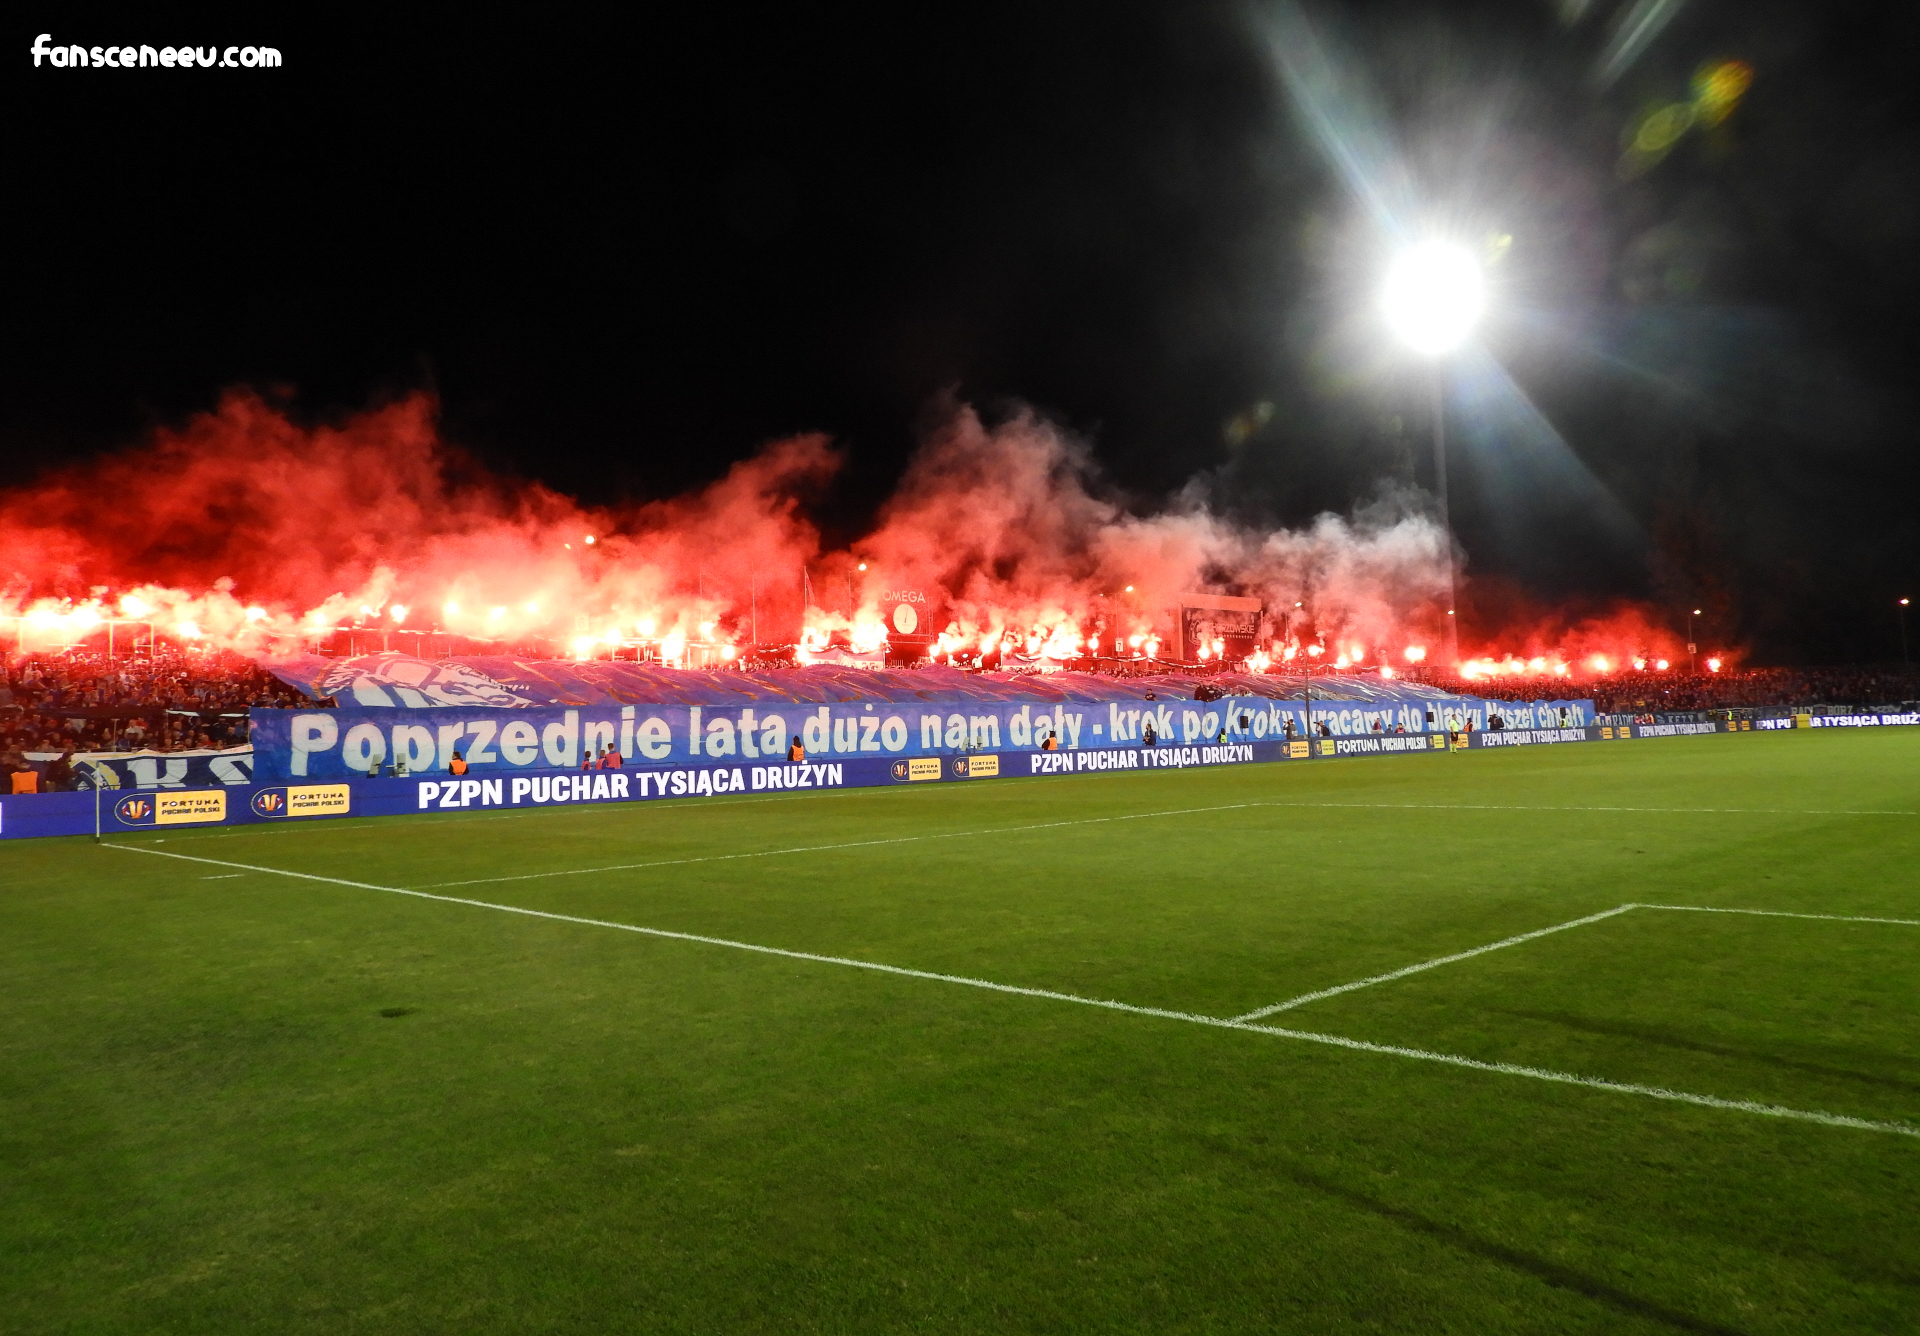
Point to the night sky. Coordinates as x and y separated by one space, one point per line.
623 253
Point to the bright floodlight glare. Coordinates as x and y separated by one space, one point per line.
1433 296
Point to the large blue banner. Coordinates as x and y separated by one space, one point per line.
291 745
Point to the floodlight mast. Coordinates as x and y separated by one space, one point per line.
1446 526
1433 299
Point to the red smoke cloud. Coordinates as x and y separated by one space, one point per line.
243 509
246 530
1009 522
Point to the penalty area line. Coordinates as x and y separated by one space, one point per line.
1435 963
1389 977
1213 1022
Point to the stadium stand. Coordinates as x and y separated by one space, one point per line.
1856 688
175 701
194 700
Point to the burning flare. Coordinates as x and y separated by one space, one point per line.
244 530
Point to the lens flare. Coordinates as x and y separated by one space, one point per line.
1434 295
1718 88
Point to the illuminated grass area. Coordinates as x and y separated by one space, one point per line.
236 1101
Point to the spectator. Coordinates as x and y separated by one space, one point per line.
1676 690
13 762
59 774
38 689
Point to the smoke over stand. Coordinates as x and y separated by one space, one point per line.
243 530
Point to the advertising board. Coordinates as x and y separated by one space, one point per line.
1862 720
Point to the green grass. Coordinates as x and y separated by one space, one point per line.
209 1121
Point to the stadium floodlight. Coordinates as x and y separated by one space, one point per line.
1433 296
1432 300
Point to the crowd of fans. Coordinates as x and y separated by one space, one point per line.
1674 692
81 701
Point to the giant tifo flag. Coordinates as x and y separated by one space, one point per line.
505 715
399 681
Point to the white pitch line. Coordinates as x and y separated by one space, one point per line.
1305 998
1214 1022
1335 991
1594 1082
850 844
705 940
1132 816
1781 913
1573 807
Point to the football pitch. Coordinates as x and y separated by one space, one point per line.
1596 1038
